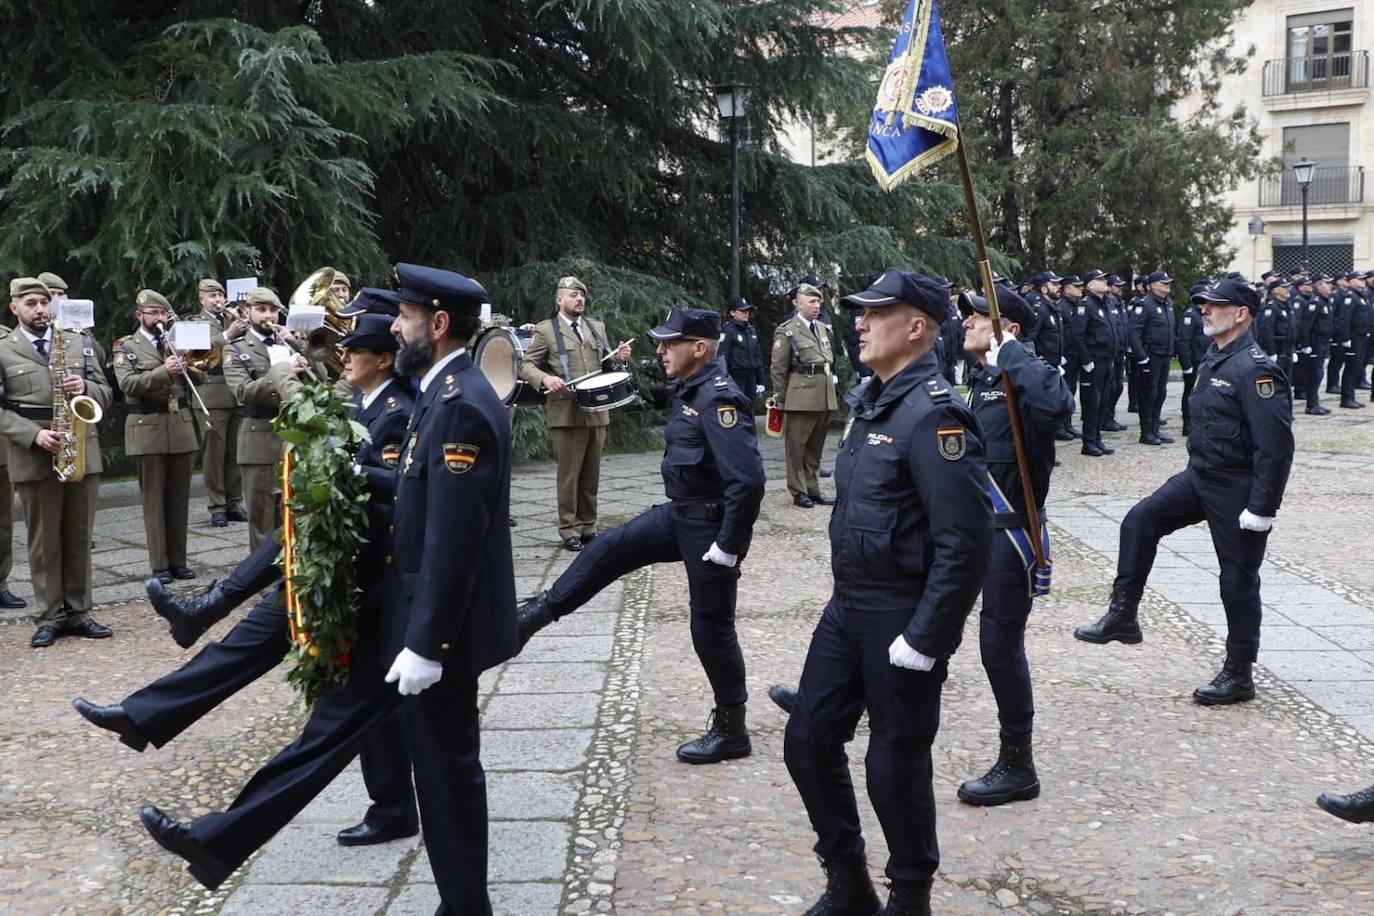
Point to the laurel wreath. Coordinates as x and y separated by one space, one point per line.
327 507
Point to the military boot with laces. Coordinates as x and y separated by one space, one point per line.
908 898
726 738
1231 685
531 616
1119 623
1357 807
848 891
1012 777
189 618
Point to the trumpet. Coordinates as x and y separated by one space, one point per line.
186 363
199 360
290 340
322 344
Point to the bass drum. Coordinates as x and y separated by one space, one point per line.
498 353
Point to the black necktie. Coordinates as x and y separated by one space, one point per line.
577 331
814 333
41 345
270 340
157 342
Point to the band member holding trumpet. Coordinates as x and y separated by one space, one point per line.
220 459
566 347
159 432
245 372
46 374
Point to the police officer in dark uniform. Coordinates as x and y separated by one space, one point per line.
1049 333
1093 336
1340 323
713 476
1151 327
1274 329
1357 318
739 348
1312 341
1043 400
950 345
1190 346
1116 384
909 539
1240 449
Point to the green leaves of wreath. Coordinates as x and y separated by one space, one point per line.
329 510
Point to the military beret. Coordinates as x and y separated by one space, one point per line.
151 299
1159 276
573 283
209 285
1093 275
372 332
373 300
738 305
341 277
262 296
680 324
1231 292
1073 280
806 289
52 281
894 286
443 289
22 286
1012 307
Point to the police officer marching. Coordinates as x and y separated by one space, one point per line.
159 432
219 459
804 387
1240 449
739 348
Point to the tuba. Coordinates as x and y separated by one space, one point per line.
70 416
322 344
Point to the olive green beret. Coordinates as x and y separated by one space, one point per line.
572 283
209 286
263 296
52 281
22 286
151 299
806 289
341 277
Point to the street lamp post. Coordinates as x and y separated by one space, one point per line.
730 101
1302 171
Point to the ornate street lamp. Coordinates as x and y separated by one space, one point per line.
731 99
1302 171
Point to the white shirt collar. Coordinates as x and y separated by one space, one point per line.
148 334
568 321
438 367
370 397
254 332
47 335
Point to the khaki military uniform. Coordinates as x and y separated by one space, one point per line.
60 516
219 460
578 435
6 506
160 435
246 366
803 364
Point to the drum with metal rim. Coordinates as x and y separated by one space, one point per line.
498 353
605 391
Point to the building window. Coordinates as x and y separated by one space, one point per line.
1334 180
1319 46
1325 253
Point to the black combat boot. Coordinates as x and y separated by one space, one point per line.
1231 685
908 898
1357 807
189 618
1147 434
1012 777
784 697
848 891
1167 440
726 738
1091 450
1119 623
532 616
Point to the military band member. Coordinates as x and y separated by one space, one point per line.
341 287
1240 450
803 386
713 477
55 284
739 348
246 365
159 433
219 460
563 348
59 516
8 599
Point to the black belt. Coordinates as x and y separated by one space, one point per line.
183 403
1014 519
808 368
31 413
711 512
258 413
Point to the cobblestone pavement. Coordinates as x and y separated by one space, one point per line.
1151 804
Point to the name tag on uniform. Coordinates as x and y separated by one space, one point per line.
689 411
879 439
1221 383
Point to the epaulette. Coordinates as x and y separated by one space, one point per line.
451 388
392 405
1260 356
722 382
938 393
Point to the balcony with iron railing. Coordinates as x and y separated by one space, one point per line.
1331 186
1290 76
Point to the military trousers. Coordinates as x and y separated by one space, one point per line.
666 533
60 518
220 461
6 525
260 492
1189 497
1189 381
1353 370
1115 384
577 451
1312 377
846 670
1334 365
803 434
1002 636
1150 393
164 481
1091 386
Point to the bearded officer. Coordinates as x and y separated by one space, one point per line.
804 387
8 599
219 459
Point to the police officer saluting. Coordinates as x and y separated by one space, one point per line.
739 348
909 541
713 476
1240 449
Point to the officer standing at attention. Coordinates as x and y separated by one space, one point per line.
909 540
1094 341
565 347
951 349
803 386
1274 329
1116 383
1191 346
59 516
1358 317
246 364
713 475
8 599
1340 327
219 460
1312 339
1152 344
739 347
1071 295
159 433
1240 449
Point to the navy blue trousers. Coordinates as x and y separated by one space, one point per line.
1002 636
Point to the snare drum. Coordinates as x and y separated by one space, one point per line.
498 353
605 391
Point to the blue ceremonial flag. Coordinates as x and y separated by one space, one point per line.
915 119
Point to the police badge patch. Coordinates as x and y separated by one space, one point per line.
459 457
727 416
952 445
391 454
1265 386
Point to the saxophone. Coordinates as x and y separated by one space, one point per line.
70 416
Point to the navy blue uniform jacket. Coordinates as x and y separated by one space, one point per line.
386 419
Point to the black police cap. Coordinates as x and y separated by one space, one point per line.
895 286
738 305
1073 280
1012 307
376 301
440 289
681 324
1114 280
1233 292
1045 276
1159 276
1093 275
943 281
372 332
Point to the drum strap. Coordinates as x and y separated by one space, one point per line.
563 347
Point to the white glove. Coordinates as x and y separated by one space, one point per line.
1295 357
994 347
1063 360
1272 356
835 379
1347 344
1187 371
758 389
1143 362
1088 367
1252 522
902 655
1061 371
719 557
415 673
1306 351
